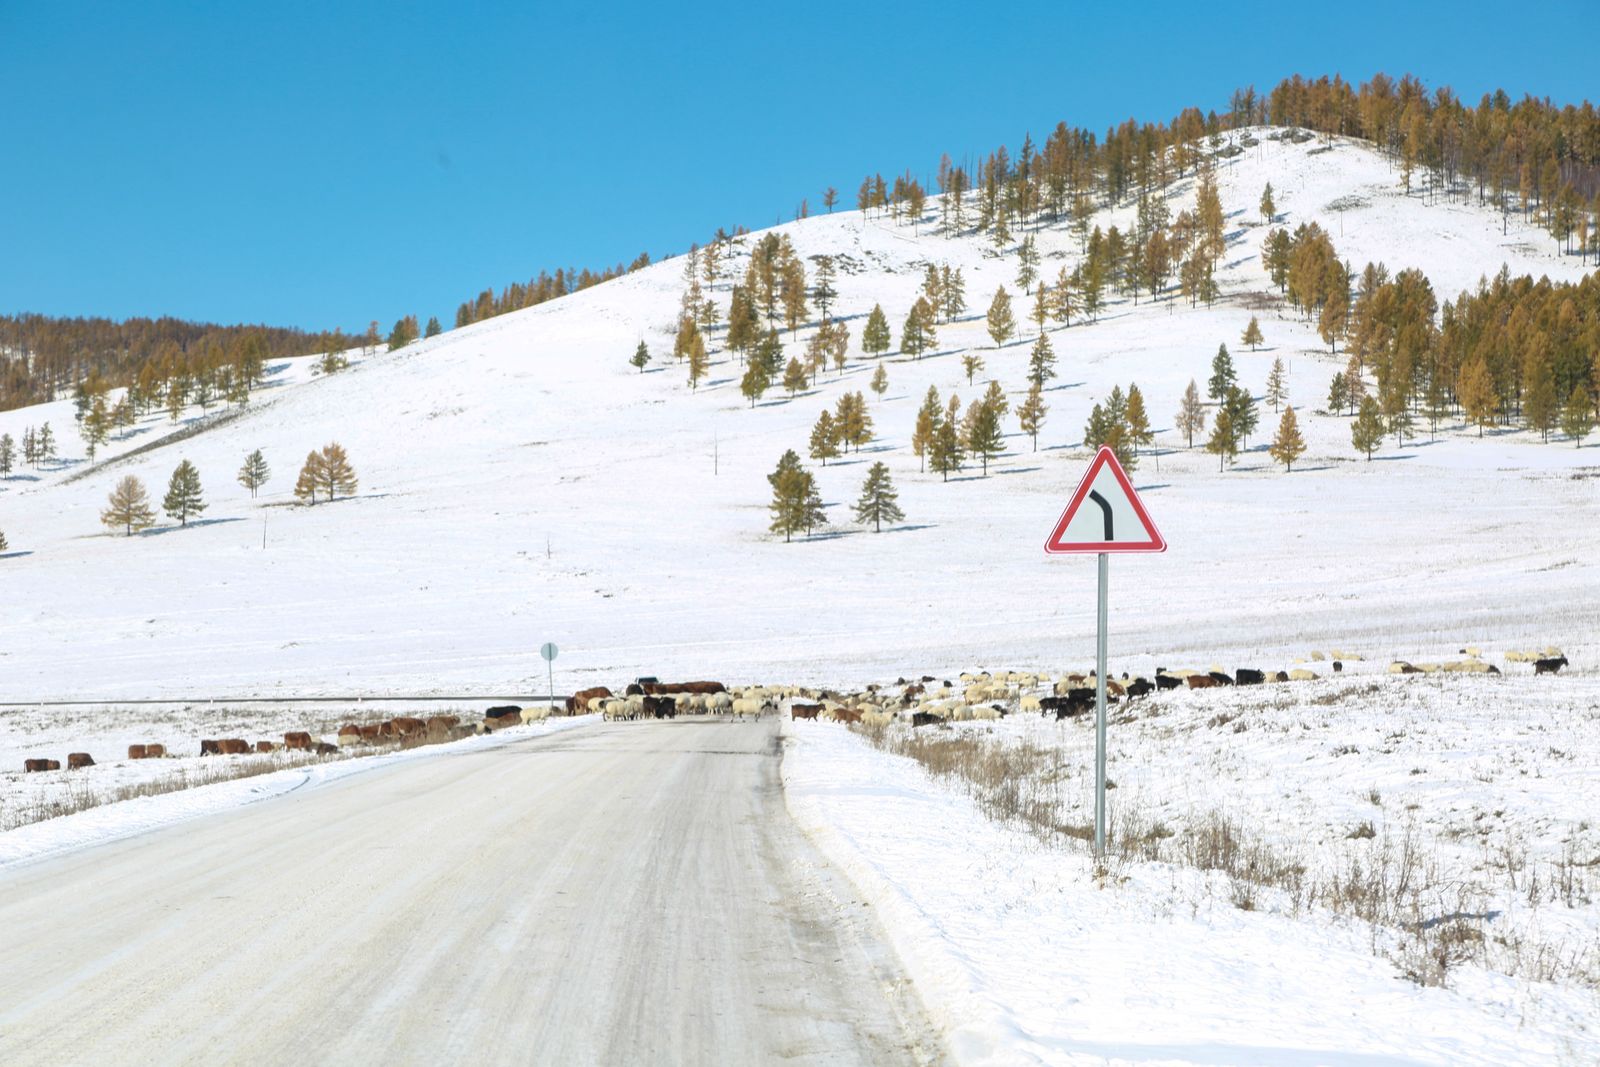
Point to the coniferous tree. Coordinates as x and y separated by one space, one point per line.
744 321
794 376
47 441
184 497
880 381
255 472
953 288
1042 361
338 475
825 438
3 545
1574 416
793 294
945 449
1540 405
972 363
1001 323
699 362
982 425
1268 208
933 289
877 504
1222 375
1137 420
769 353
1223 444
1277 383
853 422
1061 303
824 293
755 381
1191 417
929 415
1334 319
1031 413
641 357
1027 263
8 455
1288 445
96 426
1252 334
1366 432
875 338
838 342
1242 414
913 335
1477 394
1355 386
128 508
1338 394
434 329
311 477
796 505
1041 307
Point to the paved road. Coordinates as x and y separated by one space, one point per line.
630 893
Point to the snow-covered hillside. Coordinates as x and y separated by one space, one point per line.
521 483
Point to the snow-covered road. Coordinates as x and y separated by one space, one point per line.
626 893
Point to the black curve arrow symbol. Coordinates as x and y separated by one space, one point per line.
1105 506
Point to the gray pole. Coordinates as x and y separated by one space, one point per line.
1100 722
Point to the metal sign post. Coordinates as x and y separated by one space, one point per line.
1117 523
548 651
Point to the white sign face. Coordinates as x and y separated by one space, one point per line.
1105 514
549 651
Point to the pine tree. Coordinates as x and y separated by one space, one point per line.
875 335
794 376
641 357
688 330
1031 413
255 472
793 294
1242 414
8 455
1137 420
1222 444
1041 307
1355 386
1338 394
184 497
1222 376
825 438
128 508
982 425
338 475
1252 334
769 353
933 289
838 343
1001 324
755 381
929 415
824 293
1334 318
1191 417
1574 416
1477 394
311 477
954 288
854 424
744 321
1288 445
1540 404
1268 208
796 504
878 499
917 336
434 329
1277 383
3 545
972 363
47 441
1366 433
880 381
1061 305
945 450
699 362
1042 361
1027 263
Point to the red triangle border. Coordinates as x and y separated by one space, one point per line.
1054 544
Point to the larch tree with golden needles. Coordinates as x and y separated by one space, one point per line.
1288 445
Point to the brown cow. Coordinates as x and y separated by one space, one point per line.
136 752
1201 681
32 765
578 702
804 711
847 715
297 740
372 732
266 746
349 733
210 748
233 746
155 751
79 760
703 688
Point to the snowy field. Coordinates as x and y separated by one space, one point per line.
1025 956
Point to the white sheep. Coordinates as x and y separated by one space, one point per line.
538 714
1028 703
1300 674
986 713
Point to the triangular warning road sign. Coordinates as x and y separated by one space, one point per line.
1105 514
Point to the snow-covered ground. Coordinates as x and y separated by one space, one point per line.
1026 956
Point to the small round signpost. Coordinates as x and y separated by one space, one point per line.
549 650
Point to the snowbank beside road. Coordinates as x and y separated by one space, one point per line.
111 822
1024 959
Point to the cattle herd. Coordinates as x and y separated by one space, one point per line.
927 702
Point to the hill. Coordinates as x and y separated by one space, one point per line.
520 482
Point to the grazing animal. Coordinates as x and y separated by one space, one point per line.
1202 681
1281 676
539 714
325 749
579 701
660 707
666 688
1549 666
136 752
1166 681
924 718
493 713
1247 676
266 746
155 751
210 748
1220 677
406 725
32 766
79 760
1337 666
847 715
297 740
1139 687
233 746
1302 675
801 711
349 734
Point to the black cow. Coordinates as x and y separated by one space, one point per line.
924 718
1220 677
1549 666
1139 687
1246 676
502 711
660 707
1164 681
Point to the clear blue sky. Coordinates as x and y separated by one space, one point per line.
322 164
